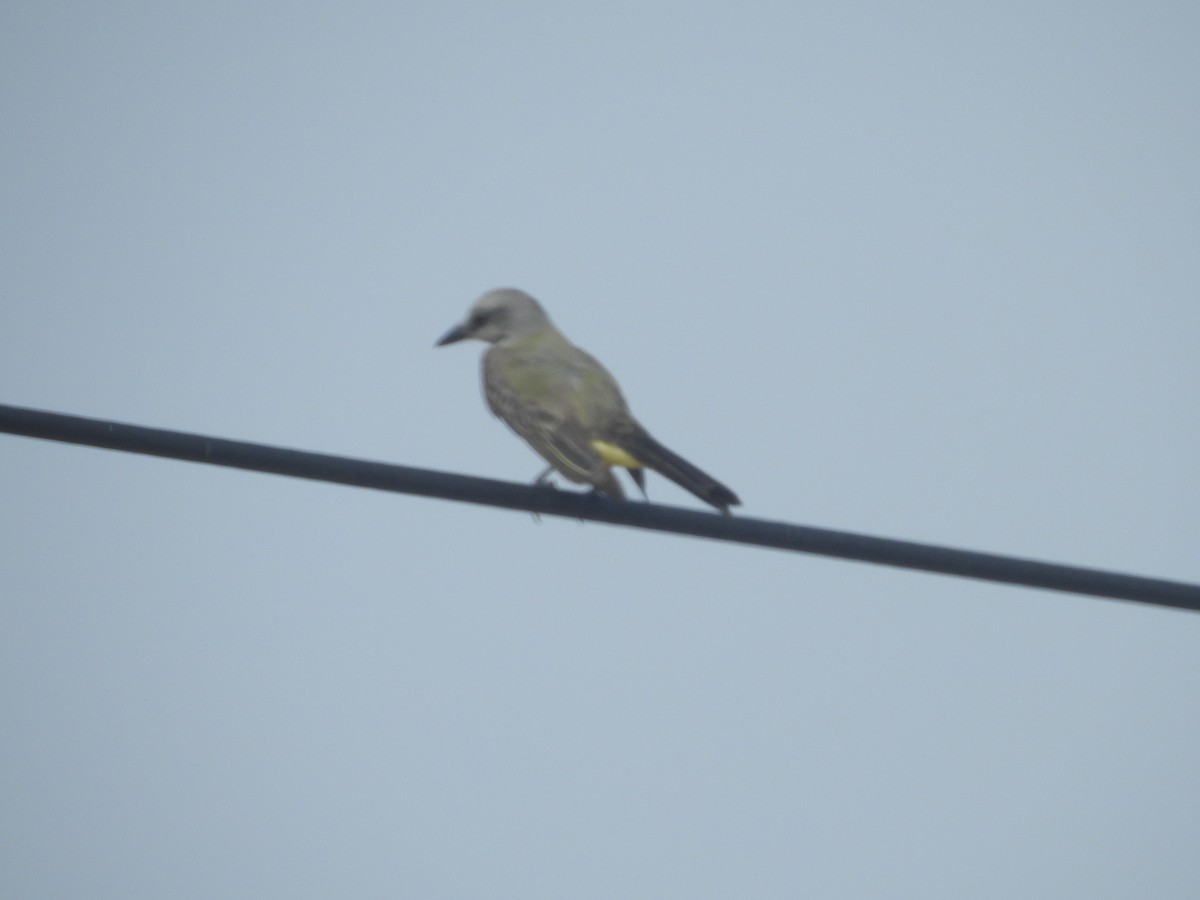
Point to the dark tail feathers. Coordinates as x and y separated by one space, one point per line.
654 455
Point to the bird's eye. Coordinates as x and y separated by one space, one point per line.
478 319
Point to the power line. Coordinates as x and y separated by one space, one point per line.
447 486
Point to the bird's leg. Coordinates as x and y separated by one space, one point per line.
543 480
639 478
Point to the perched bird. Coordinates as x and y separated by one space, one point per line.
565 404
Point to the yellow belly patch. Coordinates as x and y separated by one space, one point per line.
614 455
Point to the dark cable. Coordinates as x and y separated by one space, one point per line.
575 505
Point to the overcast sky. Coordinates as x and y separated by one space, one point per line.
928 271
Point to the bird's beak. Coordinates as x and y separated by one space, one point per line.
453 336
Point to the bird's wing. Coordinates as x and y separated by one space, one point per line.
534 398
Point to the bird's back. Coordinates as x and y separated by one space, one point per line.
548 371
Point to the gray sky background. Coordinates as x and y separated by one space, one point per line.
927 271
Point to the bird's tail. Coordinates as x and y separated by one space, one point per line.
653 455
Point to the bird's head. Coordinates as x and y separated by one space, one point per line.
499 314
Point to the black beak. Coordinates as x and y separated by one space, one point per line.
453 336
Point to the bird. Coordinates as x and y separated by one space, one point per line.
565 404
